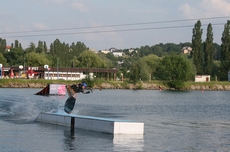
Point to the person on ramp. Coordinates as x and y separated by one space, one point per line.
72 91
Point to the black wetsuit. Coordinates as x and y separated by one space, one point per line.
77 88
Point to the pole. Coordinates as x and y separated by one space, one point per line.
57 70
72 124
1 70
24 66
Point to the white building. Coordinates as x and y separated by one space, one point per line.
117 54
112 49
54 75
202 78
104 51
186 49
131 50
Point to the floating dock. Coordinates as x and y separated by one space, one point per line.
105 125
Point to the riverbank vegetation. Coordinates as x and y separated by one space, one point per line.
104 84
163 64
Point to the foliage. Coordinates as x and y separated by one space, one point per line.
2 45
174 69
75 62
109 59
225 52
177 84
217 49
41 47
15 56
197 51
152 62
66 53
208 51
216 70
89 81
142 62
36 59
31 48
2 60
89 59
139 71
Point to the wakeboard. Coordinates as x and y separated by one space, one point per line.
70 102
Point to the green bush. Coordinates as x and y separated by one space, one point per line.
177 84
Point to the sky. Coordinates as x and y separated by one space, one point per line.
102 24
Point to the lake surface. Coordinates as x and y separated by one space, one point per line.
174 121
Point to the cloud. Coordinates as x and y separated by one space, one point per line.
40 26
80 7
189 11
207 8
216 7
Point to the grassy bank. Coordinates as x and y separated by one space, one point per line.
40 83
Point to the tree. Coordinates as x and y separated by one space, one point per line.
16 44
75 62
197 52
157 50
217 49
40 48
2 59
151 61
144 51
15 56
36 59
78 48
89 59
2 45
31 48
175 70
208 51
111 60
63 52
144 71
225 52
45 47
139 71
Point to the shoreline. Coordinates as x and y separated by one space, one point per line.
139 86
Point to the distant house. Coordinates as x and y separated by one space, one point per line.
202 78
104 51
8 48
131 50
117 54
119 62
112 49
186 50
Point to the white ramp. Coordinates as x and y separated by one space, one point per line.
105 125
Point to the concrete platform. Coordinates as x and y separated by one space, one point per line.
106 125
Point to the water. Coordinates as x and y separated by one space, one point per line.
174 121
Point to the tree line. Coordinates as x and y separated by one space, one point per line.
161 61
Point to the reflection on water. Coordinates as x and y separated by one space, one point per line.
113 142
69 138
128 142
